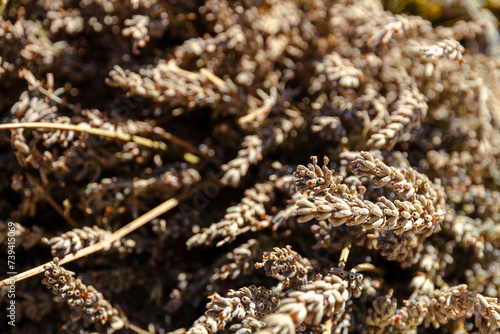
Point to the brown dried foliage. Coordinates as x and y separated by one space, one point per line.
147 100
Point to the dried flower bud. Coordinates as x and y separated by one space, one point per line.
354 280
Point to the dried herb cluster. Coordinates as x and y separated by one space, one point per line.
109 108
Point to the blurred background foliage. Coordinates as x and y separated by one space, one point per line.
445 12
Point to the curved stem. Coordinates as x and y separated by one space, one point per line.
366 267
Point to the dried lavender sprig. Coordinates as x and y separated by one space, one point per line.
240 261
406 183
247 215
396 28
315 180
249 154
76 239
454 302
247 303
286 265
223 42
24 236
420 215
448 48
272 134
405 248
330 200
141 28
410 109
258 301
167 82
439 308
87 303
338 71
382 314
314 303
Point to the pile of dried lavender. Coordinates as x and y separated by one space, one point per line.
109 108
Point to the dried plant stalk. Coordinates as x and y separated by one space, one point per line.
249 304
447 48
286 265
117 235
88 303
406 183
77 239
330 200
409 110
314 303
248 215
259 86
100 132
438 308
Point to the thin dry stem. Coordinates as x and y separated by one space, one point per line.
212 77
130 227
33 82
262 112
93 131
186 146
328 325
345 254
